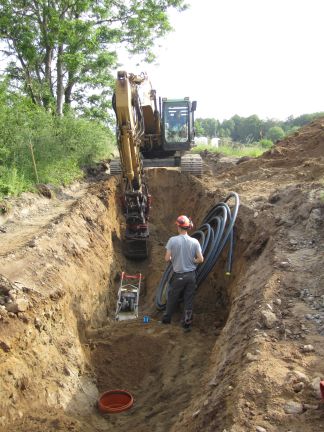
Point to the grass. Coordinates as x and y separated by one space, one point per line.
231 151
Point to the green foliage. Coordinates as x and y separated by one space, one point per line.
249 136
61 146
12 183
248 130
266 144
301 120
230 151
275 133
199 130
206 127
292 130
61 51
226 129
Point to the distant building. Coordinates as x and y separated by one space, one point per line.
201 140
214 142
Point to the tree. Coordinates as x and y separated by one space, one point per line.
207 127
246 130
275 133
63 50
226 128
303 119
199 131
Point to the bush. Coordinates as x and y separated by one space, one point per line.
266 144
60 146
12 183
275 133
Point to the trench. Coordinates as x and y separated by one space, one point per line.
166 370
163 368
160 365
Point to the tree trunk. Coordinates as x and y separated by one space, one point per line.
28 81
48 91
68 90
60 86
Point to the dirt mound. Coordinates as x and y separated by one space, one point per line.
309 139
253 361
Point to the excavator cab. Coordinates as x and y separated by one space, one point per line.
177 124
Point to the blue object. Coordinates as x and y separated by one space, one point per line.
146 319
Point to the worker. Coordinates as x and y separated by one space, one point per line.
178 120
185 254
177 127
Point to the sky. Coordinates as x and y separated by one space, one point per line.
244 57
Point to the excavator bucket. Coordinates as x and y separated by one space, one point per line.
135 248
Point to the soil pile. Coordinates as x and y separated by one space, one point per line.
253 361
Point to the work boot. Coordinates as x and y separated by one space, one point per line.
186 327
166 320
187 319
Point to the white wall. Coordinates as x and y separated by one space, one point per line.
214 142
201 140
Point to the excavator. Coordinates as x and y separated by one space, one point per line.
149 134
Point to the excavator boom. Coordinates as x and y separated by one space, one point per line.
130 133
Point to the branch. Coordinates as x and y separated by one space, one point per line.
35 99
8 53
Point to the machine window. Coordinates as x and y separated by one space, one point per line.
176 123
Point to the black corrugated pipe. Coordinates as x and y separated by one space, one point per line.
213 235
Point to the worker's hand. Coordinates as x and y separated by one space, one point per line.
198 260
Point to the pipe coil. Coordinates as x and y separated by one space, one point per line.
215 232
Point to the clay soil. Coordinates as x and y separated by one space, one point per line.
254 359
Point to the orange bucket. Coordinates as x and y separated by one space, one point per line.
115 401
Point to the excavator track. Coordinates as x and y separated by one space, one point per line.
192 164
115 167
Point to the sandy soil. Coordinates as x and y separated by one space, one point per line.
254 359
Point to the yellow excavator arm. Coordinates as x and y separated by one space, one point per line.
129 124
130 135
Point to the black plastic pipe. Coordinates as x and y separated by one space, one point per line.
215 232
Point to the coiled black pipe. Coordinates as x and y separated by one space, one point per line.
216 231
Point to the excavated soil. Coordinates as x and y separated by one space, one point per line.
254 359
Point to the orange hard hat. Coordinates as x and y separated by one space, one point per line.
184 222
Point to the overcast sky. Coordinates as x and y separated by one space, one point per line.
244 57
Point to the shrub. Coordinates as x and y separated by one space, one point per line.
275 133
58 147
266 144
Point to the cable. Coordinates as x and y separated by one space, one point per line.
216 231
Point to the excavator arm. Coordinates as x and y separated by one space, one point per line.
130 125
161 135
130 131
